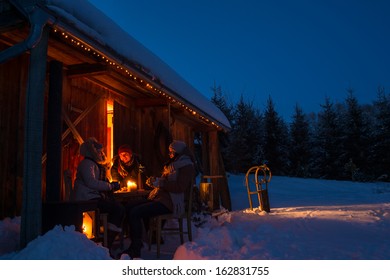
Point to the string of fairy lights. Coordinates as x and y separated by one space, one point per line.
125 71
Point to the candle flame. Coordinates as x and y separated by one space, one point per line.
131 185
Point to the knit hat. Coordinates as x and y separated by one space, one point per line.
93 141
89 149
98 145
178 146
125 149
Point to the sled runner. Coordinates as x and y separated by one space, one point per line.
259 176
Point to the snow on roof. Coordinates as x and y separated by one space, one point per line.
90 21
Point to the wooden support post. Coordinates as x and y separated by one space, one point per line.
225 192
31 218
221 194
205 153
54 133
214 170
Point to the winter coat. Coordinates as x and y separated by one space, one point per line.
90 178
175 183
121 172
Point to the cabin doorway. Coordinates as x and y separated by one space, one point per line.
110 129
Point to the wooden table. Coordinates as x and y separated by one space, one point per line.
124 197
132 195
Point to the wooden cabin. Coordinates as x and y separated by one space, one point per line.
68 72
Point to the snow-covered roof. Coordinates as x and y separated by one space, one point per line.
103 33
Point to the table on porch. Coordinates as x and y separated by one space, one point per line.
125 196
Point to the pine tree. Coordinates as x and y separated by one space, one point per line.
355 133
328 163
220 100
380 149
300 148
275 139
244 138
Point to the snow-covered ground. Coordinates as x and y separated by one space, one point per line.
310 219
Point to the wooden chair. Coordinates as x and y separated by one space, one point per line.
155 225
101 228
100 219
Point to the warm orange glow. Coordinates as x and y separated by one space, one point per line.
110 130
131 186
88 224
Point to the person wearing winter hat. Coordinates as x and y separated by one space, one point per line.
177 146
167 196
91 184
126 166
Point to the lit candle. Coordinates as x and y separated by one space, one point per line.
128 185
131 186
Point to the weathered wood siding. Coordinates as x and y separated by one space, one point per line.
147 131
147 126
80 95
13 75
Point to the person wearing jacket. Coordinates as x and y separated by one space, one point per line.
127 166
167 196
91 184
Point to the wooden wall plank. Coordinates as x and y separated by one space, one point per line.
12 95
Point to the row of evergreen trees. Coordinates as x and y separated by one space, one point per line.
345 140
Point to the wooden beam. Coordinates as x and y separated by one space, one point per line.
10 22
112 85
129 82
75 123
54 131
86 69
31 218
72 128
150 102
10 18
221 193
82 116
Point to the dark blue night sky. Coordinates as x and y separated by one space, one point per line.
297 52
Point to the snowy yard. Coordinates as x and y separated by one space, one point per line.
309 220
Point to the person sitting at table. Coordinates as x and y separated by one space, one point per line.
91 184
167 194
126 166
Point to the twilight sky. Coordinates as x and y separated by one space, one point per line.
297 52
